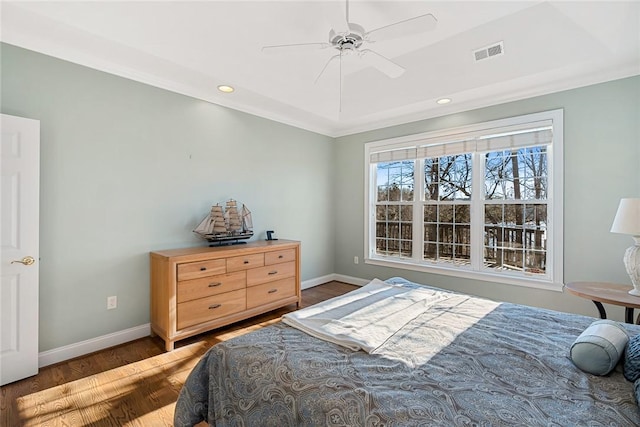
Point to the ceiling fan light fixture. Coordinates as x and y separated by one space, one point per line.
226 88
443 101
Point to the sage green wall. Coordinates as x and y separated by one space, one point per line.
127 168
601 165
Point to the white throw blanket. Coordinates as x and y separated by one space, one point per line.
364 318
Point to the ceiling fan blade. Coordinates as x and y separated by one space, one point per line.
408 27
296 47
341 28
325 67
383 64
342 24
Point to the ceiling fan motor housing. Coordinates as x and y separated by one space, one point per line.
348 42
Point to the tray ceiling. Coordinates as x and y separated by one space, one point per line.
192 47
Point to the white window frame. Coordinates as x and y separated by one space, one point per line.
553 280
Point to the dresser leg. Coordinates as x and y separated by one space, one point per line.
169 345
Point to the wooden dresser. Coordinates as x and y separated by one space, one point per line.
194 290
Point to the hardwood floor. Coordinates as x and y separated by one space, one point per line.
134 384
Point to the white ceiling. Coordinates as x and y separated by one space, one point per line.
192 47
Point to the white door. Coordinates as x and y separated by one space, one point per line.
19 210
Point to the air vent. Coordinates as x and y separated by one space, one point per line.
495 49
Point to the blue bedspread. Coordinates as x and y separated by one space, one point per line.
467 362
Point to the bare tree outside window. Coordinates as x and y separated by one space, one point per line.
515 210
394 211
447 209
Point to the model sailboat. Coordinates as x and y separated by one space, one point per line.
226 226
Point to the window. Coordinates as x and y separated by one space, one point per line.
476 201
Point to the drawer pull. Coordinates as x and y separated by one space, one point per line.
246 262
271 273
203 268
213 285
272 291
280 256
214 306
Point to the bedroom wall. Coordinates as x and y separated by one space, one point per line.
127 168
601 165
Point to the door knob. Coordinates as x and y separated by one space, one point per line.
28 260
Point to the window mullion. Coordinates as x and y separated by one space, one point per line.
477 211
370 210
418 220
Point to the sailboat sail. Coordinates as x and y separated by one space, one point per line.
247 222
231 216
205 226
212 223
218 220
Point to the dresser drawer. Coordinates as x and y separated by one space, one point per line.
199 288
270 273
195 270
204 309
244 262
270 292
279 256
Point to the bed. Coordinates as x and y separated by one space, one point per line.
462 361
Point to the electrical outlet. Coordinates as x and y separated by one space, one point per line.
355 260
112 302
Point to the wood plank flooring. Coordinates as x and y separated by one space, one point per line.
134 384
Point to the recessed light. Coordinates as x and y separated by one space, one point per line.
225 89
443 101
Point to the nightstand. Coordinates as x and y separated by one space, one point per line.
609 293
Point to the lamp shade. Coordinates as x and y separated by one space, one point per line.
627 220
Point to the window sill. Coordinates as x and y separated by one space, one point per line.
467 274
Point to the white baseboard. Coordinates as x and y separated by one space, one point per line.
81 348
317 281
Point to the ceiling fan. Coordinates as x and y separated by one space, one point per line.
349 38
